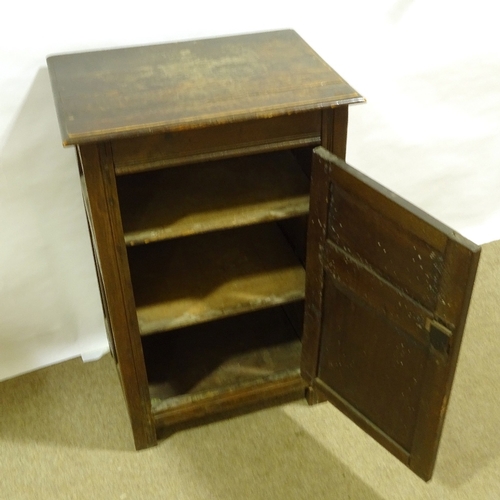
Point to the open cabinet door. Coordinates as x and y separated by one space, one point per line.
387 293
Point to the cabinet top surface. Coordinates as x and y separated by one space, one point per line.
140 90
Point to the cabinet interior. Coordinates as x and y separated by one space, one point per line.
217 254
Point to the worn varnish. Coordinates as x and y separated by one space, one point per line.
191 369
175 202
191 280
142 90
228 140
139 110
383 326
208 231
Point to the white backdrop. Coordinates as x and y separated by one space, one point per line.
430 71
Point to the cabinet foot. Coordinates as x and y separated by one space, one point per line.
313 396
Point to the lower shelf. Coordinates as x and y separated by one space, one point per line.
221 365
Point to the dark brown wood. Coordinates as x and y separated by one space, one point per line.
213 275
174 105
140 90
193 370
109 247
314 396
454 296
387 286
334 139
283 387
387 293
175 202
136 154
100 282
334 130
318 211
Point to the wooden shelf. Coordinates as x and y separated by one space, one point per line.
175 202
203 365
208 276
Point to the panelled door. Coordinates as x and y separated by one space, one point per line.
387 293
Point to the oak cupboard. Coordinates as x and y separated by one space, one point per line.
240 259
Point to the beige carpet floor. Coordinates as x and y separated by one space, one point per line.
64 434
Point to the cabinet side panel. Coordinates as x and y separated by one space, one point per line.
111 259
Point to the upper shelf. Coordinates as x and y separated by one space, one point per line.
175 202
129 92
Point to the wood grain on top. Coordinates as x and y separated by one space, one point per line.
133 91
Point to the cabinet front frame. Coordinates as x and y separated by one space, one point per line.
327 127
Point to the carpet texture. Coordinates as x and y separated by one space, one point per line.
64 434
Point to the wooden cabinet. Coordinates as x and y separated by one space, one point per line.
240 260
